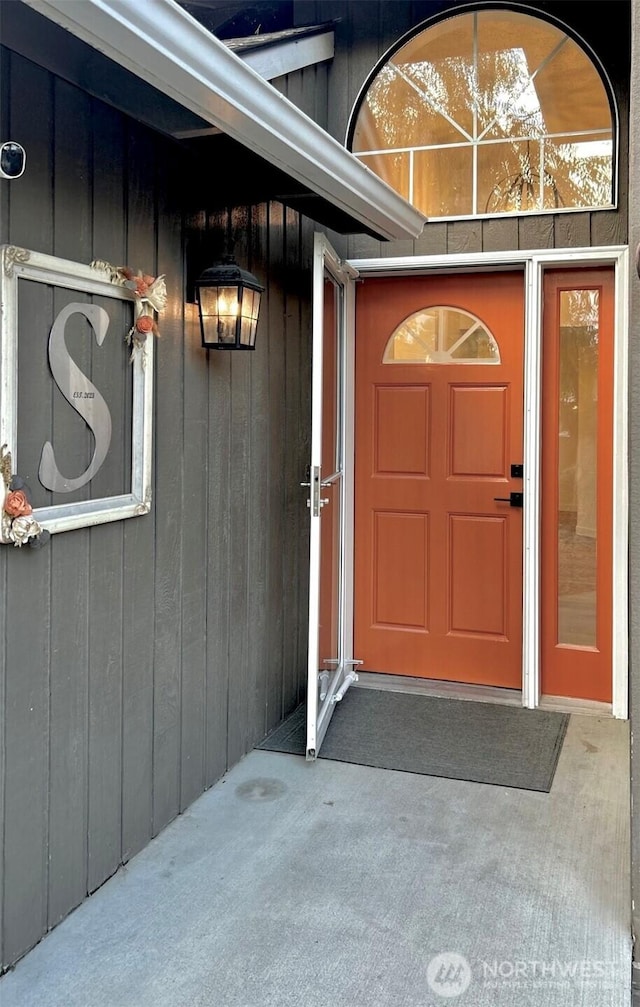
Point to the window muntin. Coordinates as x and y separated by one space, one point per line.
441 335
461 126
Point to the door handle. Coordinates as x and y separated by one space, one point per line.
314 501
514 499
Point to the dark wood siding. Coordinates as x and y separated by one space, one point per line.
141 659
307 89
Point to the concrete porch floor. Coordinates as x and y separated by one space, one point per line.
337 885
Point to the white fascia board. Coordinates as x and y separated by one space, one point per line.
169 49
287 56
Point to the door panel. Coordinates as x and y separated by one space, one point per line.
438 560
401 541
396 410
477 557
472 457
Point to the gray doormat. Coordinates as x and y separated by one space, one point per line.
506 746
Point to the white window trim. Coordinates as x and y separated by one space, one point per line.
534 262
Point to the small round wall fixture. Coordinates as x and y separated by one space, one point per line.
13 159
228 302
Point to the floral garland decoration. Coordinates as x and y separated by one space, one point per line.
150 294
18 523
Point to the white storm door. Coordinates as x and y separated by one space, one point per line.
330 664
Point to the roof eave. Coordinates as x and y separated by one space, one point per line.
165 46
285 55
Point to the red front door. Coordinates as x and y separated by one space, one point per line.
439 417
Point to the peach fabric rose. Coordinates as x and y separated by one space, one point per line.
17 504
144 324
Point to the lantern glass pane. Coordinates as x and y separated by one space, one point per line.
219 310
225 329
228 306
247 332
250 303
250 308
208 297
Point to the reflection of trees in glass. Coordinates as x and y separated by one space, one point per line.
509 104
478 345
579 350
483 97
578 341
450 88
525 187
417 336
553 176
587 179
582 307
441 335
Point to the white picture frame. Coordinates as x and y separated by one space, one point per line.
20 263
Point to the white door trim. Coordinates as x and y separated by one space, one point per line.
534 262
620 556
531 487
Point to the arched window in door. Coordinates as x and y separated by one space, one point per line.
441 335
489 112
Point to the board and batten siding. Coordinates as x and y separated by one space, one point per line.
307 90
141 659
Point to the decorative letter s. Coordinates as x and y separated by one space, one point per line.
80 393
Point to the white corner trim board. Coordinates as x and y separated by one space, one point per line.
169 49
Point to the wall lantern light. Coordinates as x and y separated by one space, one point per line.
228 302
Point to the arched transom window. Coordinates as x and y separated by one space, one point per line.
490 112
441 335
